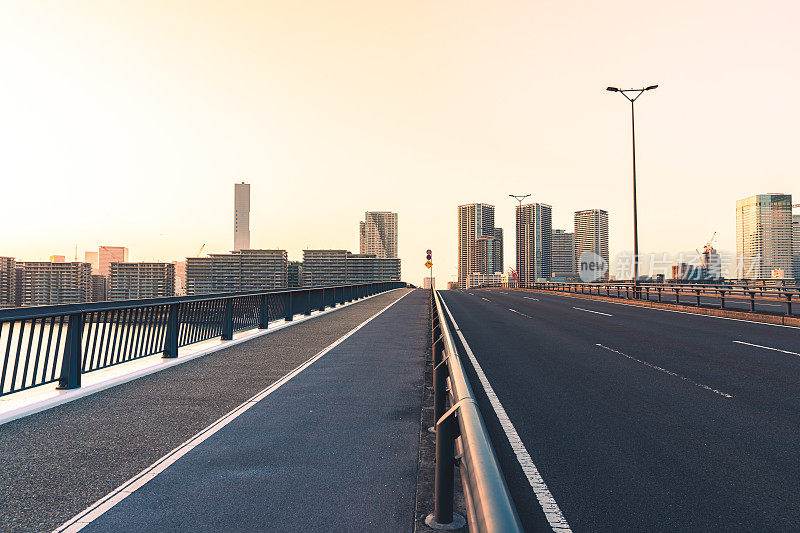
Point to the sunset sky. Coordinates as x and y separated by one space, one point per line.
127 123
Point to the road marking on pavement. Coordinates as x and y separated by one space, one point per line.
111 499
515 311
590 311
664 370
529 298
767 347
551 510
503 292
482 298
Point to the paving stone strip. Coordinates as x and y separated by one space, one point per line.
56 463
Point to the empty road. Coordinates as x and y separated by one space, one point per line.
636 418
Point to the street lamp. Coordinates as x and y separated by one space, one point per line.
637 93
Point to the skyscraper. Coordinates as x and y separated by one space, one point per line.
378 234
108 255
764 235
534 243
591 235
241 216
563 254
92 258
487 256
498 250
796 246
474 221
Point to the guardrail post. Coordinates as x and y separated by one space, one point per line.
722 299
263 312
171 338
322 300
341 295
752 301
227 320
659 293
446 433
71 362
308 304
440 373
698 296
289 307
788 303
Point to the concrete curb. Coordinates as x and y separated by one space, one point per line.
720 313
74 394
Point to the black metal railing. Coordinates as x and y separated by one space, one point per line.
41 345
459 427
780 296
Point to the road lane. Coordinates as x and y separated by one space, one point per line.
624 445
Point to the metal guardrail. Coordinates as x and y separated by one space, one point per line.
489 503
40 345
752 294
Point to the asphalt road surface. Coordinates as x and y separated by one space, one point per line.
636 418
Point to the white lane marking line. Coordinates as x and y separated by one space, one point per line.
482 298
111 499
515 311
664 370
503 292
529 298
551 510
676 311
767 347
590 311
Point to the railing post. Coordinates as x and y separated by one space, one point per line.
722 299
71 361
171 340
752 301
341 295
322 300
788 303
446 433
439 380
263 314
698 296
333 299
677 296
308 304
289 309
227 320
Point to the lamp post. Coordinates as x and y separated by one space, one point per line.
637 93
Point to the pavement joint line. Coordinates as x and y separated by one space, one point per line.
767 347
551 510
67 396
664 370
108 501
590 311
676 311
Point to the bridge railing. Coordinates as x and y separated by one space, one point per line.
45 344
458 424
686 294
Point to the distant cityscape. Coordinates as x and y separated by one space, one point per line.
107 274
767 245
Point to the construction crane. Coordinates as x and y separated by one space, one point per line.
708 250
200 251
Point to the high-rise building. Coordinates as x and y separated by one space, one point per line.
99 288
764 235
563 254
474 221
46 283
487 256
108 255
133 281
378 234
591 235
796 246
243 270
241 216
534 243
92 258
8 282
498 250
180 278
295 273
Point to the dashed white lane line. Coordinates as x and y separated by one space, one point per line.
664 370
767 347
482 298
111 499
529 298
590 311
551 510
515 311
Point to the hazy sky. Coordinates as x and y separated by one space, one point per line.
127 123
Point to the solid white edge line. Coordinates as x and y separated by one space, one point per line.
767 347
111 499
668 310
67 396
551 510
590 311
